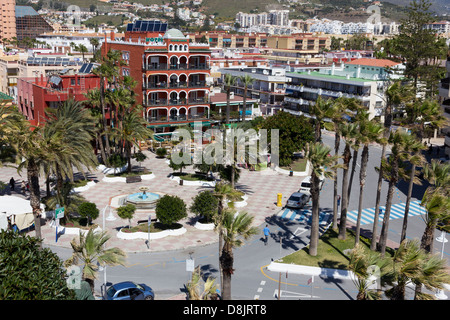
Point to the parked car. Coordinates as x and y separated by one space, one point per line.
129 290
298 200
306 184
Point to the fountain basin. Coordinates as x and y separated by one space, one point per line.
142 200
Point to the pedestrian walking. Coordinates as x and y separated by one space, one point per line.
266 234
12 182
23 186
338 200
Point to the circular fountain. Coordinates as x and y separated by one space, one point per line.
143 199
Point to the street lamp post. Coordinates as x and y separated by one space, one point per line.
104 267
440 294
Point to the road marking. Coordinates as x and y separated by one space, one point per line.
262 283
259 290
291 294
256 297
149 265
297 233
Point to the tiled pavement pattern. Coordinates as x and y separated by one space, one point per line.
261 188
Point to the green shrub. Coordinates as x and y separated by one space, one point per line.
170 209
117 161
88 210
29 272
205 204
161 152
127 212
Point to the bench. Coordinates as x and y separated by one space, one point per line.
133 179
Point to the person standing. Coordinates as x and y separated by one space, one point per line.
266 231
23 186
12 182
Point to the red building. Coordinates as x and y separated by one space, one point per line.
171 72
37 94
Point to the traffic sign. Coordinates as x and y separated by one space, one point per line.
59 213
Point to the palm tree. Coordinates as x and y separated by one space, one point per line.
90 251
418 114
246 80
436 199
321 110
348 132
340 108
322 164
369 131
132 130
69 120
228 82
395 94
367 267
411 264
31 152
402 144
82 49
234 226
193 287
223 192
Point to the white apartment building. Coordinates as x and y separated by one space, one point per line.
363 79
268 87
273 17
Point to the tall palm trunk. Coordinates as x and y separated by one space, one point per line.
427 241
355 158
387 129
373 243
337 141
343 218
314 238
226 263
387 212
362 182
35 195
408 201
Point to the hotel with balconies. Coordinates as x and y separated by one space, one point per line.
444 97
171 71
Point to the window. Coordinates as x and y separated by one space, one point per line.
125 72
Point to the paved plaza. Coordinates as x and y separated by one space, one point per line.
260 187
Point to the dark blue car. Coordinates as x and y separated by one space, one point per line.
129 290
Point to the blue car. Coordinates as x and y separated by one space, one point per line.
129 290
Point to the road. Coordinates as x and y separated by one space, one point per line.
166 272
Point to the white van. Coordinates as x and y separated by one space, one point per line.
306 184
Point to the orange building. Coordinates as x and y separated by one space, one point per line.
171 71
7 19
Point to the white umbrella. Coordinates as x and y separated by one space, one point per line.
20 210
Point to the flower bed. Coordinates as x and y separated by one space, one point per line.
126 234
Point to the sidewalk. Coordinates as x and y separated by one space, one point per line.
261 188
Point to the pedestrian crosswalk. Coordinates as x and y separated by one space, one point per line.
367 215
397 212
304 215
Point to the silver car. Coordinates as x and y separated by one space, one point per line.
298 200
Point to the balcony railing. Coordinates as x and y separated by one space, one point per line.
181 66
175 118
197 84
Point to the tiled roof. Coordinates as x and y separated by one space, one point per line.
373 62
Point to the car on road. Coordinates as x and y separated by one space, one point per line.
129 290
306 184
298 200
